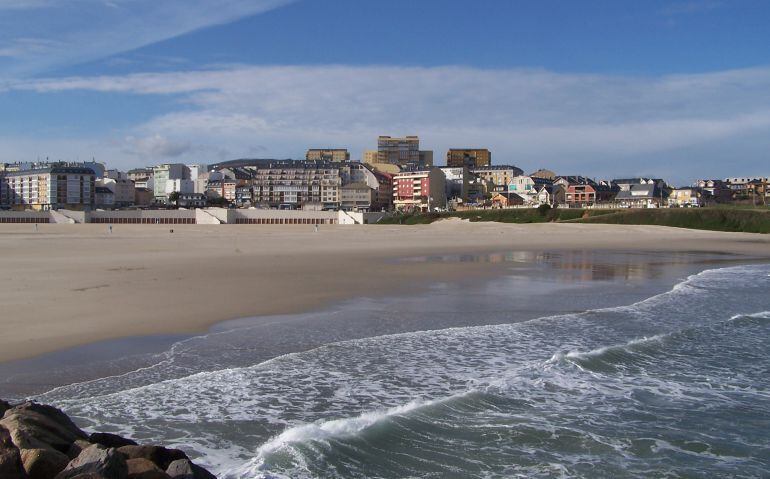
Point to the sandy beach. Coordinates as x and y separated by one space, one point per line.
69 285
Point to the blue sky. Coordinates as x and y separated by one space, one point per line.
679 89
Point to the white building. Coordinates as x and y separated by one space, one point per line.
179 186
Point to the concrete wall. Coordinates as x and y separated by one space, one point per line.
355 218
257 216
76 216
143 217
24 217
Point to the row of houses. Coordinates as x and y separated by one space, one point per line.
328 180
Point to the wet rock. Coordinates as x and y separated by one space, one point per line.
43 463
96 461
160 456
110 440
184 469
144 469
35 426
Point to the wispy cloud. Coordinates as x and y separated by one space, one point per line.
589 124
36 35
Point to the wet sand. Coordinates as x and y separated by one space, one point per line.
70 285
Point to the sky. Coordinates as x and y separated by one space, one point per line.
678 89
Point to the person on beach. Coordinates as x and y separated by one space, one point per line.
110 228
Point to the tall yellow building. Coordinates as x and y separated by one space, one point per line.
336 155
468 157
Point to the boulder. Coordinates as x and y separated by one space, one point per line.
11 466
4 406
96 461
160 456
34 426
110 440
77 447
184 469
144 469
43 463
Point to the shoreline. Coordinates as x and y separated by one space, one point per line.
199 277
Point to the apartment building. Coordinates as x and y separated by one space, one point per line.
162 174
468 157
419 190
457 181
286 183
334 155
71 187
499 176
404 152
123 189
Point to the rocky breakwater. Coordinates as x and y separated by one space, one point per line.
41 442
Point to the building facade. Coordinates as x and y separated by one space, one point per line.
498 177
162 174
690 197
296 184
49 188
468 157
123 190
419 190
404 152
457 181
334 155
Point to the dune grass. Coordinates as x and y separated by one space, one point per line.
748 220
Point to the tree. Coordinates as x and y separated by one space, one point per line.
174 198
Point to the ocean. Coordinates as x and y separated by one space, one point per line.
572 364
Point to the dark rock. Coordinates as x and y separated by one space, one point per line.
184 469
110 440
77 447
43 463
34 426
96 460
11 466
4 406
160 456
144 469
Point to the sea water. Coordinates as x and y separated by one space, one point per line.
673 385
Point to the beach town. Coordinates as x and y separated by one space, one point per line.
327 187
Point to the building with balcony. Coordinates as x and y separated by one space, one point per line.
419 190
70 187
286 183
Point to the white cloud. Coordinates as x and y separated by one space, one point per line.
84 30
588 124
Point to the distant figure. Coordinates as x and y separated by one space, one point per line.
316 228
35 227
171 231
110 228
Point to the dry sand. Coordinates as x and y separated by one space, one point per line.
68 285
